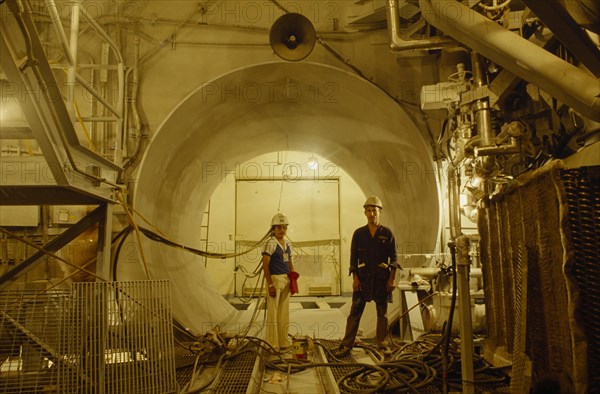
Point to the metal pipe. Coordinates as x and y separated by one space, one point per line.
59 30
454 202
134 110
73 44
152 51
464 312
510 148
82 66
398 43
92 107
118 158
97 119
424 272
97 95
483 120
483 114
571 85
478 69
101 31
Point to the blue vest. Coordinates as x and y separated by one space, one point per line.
280 260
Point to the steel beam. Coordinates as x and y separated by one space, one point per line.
96 216
554 16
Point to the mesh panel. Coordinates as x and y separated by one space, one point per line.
111 337
30 338
519 382
554 215
582 191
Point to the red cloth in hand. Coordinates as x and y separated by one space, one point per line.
293 276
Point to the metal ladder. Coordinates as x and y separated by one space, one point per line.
204 231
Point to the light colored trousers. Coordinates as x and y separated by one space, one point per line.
278 313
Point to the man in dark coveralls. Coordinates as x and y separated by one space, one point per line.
373 264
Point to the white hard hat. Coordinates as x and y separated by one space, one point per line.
373 201
279 219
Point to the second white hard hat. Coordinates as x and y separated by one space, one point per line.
279 219
373 201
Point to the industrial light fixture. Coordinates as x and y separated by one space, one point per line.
313 162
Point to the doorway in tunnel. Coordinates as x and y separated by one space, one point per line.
315 198
314 233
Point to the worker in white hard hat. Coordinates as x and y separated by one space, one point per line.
277 265
373 264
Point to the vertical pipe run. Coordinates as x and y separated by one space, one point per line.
103 261
454 201
478 66
132 154
118 156
483 116
464 311
462 277
74 40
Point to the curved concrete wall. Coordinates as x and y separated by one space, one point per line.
265 108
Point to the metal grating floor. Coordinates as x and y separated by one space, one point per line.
236 375
338 370
184 367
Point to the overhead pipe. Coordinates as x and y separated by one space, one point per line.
73 45
571 85
398 43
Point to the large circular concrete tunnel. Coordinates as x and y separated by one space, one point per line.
257 110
